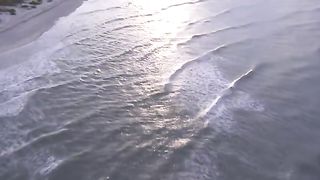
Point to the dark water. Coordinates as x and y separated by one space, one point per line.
172 90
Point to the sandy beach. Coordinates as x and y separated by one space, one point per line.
28 24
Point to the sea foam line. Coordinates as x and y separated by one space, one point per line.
224 92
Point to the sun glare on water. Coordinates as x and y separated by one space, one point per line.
167 18
151 4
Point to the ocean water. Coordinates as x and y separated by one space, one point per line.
166 90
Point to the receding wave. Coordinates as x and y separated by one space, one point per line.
20 147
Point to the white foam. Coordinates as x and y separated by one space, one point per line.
14 106
201 92
17 82
50 164
204 112
233 83
26 63
243 101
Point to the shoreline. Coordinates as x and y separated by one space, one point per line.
24 28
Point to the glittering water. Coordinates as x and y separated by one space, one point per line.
172 89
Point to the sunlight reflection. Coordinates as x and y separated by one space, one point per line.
168 18
151 5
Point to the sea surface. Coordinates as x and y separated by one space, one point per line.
166 90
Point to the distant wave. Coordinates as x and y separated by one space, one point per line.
123 27
197 36
219 14
294 14
205 20
101 10
131 50
115 20
181 4
247 25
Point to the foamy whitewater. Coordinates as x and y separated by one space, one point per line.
172 90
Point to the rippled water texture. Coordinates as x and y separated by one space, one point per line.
170 89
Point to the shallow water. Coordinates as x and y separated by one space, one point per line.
172 89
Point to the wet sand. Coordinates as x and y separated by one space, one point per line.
27 25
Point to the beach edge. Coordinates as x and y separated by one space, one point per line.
25 30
